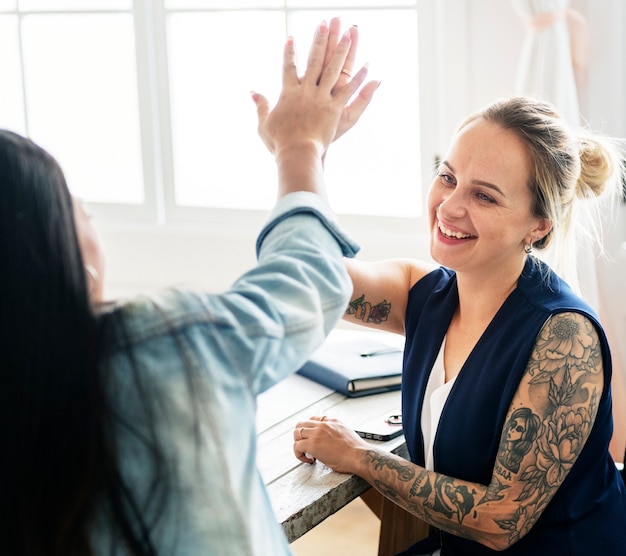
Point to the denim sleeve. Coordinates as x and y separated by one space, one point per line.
267 324
287 304
308 202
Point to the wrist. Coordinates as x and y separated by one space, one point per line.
298 149
300 168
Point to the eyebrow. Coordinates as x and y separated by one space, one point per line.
477 182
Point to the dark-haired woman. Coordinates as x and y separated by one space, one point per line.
130 428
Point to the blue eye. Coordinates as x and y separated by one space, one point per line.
485 198
446 177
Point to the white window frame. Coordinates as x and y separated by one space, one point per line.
160 209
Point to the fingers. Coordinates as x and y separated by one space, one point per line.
262 110
290 71
334 30
302 432
332 71
315 62
334 36
354 110
348 65
298 445
262 106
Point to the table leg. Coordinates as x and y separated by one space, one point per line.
398 528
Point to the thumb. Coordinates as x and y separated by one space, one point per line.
262 106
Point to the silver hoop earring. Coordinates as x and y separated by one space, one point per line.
528 248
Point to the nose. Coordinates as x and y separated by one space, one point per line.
451 204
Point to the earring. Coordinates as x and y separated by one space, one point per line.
528 248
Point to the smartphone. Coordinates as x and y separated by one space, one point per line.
380 429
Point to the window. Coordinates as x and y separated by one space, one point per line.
73 90
146 104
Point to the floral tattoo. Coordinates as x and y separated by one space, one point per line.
366 312
565 364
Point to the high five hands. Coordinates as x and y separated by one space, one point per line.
314 109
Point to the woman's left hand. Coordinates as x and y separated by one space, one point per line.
328 440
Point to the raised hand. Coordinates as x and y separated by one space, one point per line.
315 105
351 112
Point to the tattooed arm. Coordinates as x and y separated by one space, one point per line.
381 290
547 424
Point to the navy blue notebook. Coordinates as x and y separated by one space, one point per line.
357 363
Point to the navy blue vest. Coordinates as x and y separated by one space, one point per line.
587 515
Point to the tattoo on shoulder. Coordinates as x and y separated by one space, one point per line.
366 312
568 343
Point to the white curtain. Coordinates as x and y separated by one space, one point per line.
546 68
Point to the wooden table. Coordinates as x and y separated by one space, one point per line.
304 495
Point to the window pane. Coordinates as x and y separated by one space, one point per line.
11 97
85 110
375 168
215 60
218 159
77 5
7 5
222 4
349 3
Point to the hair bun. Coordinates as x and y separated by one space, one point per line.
598 162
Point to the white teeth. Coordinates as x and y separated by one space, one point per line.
450 233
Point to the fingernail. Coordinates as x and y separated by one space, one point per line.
289 40
255 96
323 28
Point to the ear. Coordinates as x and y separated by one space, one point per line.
541 230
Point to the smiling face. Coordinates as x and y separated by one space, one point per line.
480 203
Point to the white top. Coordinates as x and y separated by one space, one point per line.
437 391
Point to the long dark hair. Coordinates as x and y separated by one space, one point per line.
58 462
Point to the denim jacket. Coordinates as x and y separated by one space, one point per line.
199 361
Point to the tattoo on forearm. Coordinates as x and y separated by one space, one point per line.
421 487
452 500
366 312
441 496
565 366
493 492
386 490
405 472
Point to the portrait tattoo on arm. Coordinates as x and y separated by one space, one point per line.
368 313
